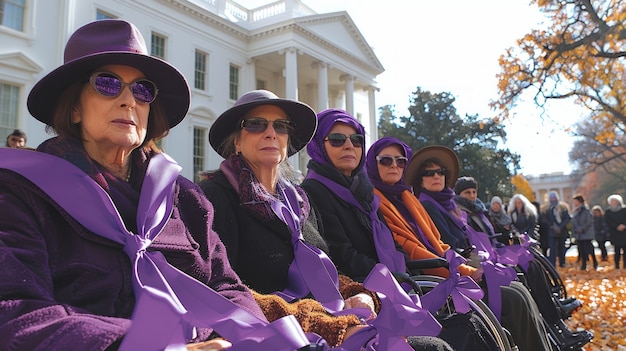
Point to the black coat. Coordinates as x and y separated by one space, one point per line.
613 219
347 231
260 252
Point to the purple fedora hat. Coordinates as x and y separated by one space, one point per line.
303 117
109 42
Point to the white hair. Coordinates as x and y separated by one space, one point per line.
529 208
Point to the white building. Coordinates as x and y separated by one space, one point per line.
563 184
222 48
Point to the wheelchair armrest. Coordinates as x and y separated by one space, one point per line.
426 263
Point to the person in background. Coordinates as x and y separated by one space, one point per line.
523 215
582 227
261 213
601 231
99 214
500 220
17 139
615 216
555 217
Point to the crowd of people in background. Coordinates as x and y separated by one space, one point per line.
254 255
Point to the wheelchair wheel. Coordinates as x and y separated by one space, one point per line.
558 287
503 340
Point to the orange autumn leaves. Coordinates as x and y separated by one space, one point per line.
603 293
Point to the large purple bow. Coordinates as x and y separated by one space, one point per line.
461 289
311 270
400 315
169 303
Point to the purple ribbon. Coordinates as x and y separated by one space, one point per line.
400 314
383 239
461 289
311 270
168 301
495 273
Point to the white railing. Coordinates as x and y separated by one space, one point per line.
235 12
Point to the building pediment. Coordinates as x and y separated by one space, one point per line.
339 30
19 61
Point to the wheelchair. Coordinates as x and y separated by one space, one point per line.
421 284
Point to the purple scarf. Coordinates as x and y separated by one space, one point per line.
169 302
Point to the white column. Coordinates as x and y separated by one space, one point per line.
322 85
291 72
349 92
251 75
371 99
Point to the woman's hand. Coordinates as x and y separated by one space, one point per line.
211 345
361 300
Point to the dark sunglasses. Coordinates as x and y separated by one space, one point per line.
432 172
109 84
257 125
387 161
338 139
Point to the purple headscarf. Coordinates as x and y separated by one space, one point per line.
371 166
325 122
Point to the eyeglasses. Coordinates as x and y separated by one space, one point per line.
387 161
257 125
338 139
109 84
432 172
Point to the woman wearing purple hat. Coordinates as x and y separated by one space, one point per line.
100 238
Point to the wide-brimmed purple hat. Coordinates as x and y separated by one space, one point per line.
109 42
302 116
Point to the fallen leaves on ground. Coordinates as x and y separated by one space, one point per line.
603 293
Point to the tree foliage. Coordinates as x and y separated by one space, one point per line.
523 186
580 55
603 157
433 120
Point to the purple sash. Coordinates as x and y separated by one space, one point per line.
169 303
461 289
383 239
496 274
311 270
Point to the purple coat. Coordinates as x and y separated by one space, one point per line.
63 287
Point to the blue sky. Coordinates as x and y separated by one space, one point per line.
454 46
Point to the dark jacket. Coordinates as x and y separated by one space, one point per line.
451 234
600 228
582 224
614 219
260 252
65 288
347 231
554 227
524 222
